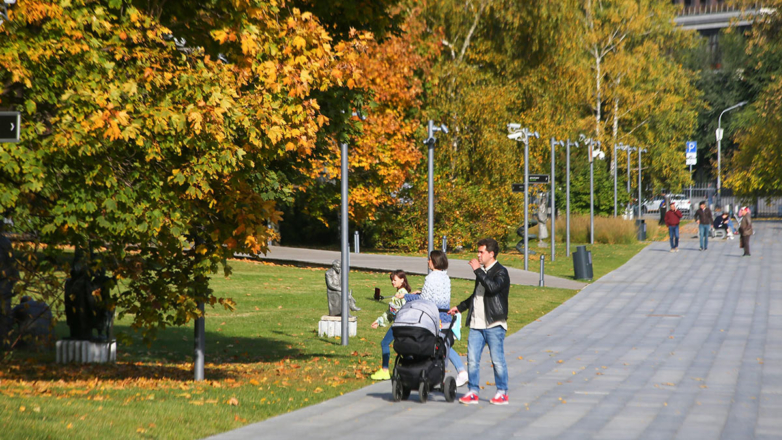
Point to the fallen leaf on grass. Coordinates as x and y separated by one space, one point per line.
22 409
318 390
233 401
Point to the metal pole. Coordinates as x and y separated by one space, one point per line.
628 170
591 202
567 199
541 282
553 200
445 244
430 236
526 201
690 185
616 165
640 201
200 344
345 247
355 242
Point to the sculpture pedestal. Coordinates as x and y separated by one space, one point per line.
86 352
331 326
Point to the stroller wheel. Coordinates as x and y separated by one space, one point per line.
423 391
405 392
449 389
396 390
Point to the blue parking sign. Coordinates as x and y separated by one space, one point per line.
692 147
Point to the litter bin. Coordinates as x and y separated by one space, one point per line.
582 263
641 228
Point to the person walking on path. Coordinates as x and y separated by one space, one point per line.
672 219
745 230
437 288
704 220
487 320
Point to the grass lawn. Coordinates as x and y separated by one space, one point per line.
263 359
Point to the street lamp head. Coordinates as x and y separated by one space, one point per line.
515 136
513 127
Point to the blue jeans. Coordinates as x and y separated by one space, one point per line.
703 234
456 360
385 346
673 233
495 338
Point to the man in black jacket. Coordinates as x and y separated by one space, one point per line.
487 320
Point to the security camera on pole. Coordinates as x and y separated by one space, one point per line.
518 134
430 141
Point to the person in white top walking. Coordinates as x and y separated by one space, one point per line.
487 320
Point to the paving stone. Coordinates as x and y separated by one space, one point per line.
667 346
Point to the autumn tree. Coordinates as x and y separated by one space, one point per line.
161 143
754 170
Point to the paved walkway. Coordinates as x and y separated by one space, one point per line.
685 345
456 268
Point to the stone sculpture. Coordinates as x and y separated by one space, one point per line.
334 291
88 303
34 323
8 277
542 216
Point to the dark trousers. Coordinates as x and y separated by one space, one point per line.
745 243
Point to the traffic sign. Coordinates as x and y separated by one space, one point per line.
692 148
538 178
691 161
10 126
533 179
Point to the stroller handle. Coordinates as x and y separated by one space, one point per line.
453 320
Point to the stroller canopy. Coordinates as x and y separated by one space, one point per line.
421 314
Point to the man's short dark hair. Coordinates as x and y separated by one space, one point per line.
491 246
439 260
702 203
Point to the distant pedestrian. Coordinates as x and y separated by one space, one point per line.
672 219
488 321
745 230
704 220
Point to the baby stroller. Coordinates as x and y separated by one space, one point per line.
422 352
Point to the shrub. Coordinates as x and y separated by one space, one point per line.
608 230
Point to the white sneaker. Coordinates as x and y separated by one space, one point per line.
462 379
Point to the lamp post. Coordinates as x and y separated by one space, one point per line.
518 134
568 144
4 10
640 150
554 144
622 147
344 271
430 141
719 150
589 142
